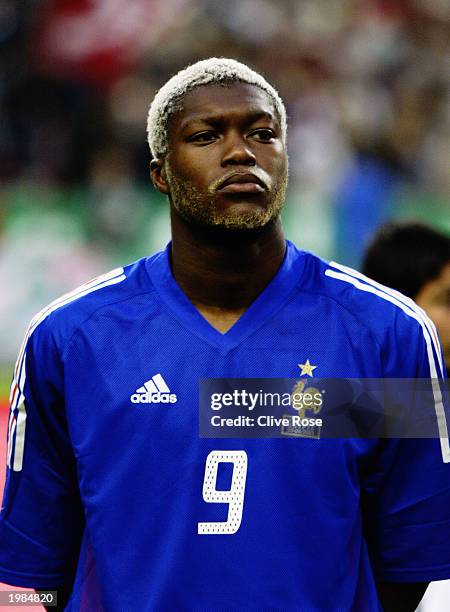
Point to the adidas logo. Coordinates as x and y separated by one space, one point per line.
154 391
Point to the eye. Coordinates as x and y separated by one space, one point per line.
203 137
263 134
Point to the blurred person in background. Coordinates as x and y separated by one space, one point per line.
134 509
415 259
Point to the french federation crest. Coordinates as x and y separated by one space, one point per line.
306 402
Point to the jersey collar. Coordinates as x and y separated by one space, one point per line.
271 299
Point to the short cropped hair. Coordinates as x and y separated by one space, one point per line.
210 71
405 256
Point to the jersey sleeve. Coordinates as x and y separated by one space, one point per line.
406 490
41 520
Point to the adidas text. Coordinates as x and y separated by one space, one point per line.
153 398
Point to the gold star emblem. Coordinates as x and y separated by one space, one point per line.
306 368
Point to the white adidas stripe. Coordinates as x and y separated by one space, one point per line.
11 417
160 383
10 445
11 414
20 438
17 397
439 406
405 300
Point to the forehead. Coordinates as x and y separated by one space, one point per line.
235 100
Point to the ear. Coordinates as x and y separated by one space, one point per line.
158 176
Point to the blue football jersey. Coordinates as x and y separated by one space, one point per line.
109 483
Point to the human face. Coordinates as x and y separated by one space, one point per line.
227 164
434 298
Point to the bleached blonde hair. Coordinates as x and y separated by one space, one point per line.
210 71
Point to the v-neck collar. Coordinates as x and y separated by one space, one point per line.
270 299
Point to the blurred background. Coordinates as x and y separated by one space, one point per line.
365 82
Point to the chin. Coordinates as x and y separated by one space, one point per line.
243 221
238 216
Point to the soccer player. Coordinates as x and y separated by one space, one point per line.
415 259
112 495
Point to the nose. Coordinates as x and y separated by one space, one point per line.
237 151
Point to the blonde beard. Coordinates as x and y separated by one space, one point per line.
200 209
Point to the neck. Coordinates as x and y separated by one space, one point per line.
225 269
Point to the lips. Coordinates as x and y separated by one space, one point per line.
242 183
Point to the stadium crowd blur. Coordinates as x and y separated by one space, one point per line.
367 92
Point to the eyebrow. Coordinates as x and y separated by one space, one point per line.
215 119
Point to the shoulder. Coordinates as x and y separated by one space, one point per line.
395 321
115 290
51 328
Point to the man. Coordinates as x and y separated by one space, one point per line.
104 446
415 259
